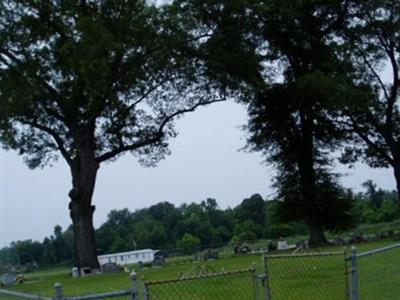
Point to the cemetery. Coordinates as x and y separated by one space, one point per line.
303 89
43 282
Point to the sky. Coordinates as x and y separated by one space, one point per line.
205 162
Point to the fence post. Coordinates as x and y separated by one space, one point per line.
354 274
59 293
266 278
146 292
135 286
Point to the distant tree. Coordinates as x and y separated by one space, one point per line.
29 252
373 44
376 196
158 235
9 256
253 208
118 245
90 81
188 244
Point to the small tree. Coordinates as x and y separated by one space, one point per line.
90 81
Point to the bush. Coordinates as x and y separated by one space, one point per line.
245 236
188 244
281 230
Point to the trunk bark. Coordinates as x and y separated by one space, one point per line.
308 178
317 237
84 172
396 168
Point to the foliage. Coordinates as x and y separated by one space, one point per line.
372 44
91 81
293 80
165 226
188 244
92 68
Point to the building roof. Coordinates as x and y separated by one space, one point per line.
127 253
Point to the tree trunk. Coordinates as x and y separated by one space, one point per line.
317 237
308 179
84 172
396 168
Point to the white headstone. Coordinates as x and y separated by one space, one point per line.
283 245
8 279
75 272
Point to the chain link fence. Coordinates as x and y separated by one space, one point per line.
370 275
14 295
313 276
128 294
238 285
376 274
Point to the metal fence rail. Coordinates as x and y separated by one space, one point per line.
370 275
238 285
126 294
6 294
118 295
312 276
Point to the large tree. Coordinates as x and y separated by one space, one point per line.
90 81
373 38
282 59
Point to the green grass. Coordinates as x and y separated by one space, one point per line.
316 278
379 276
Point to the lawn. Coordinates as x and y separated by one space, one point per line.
316 278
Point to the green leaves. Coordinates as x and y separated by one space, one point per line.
105 75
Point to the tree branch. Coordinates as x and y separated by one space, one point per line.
156 136
58 140
40 80
368 141
394 90
375 74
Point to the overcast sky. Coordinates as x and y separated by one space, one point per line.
205 162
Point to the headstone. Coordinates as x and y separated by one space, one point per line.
303 244
86 271
96 271
242 249
110 268
159 261
8 279
272 246
339 241
282 245
207 255
356 238
75 272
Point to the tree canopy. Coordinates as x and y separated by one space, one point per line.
372 39
90 81
283 62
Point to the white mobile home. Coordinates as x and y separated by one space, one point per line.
131 257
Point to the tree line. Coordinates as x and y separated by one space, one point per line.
191 227
92 80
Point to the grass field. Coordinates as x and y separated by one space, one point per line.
290 278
